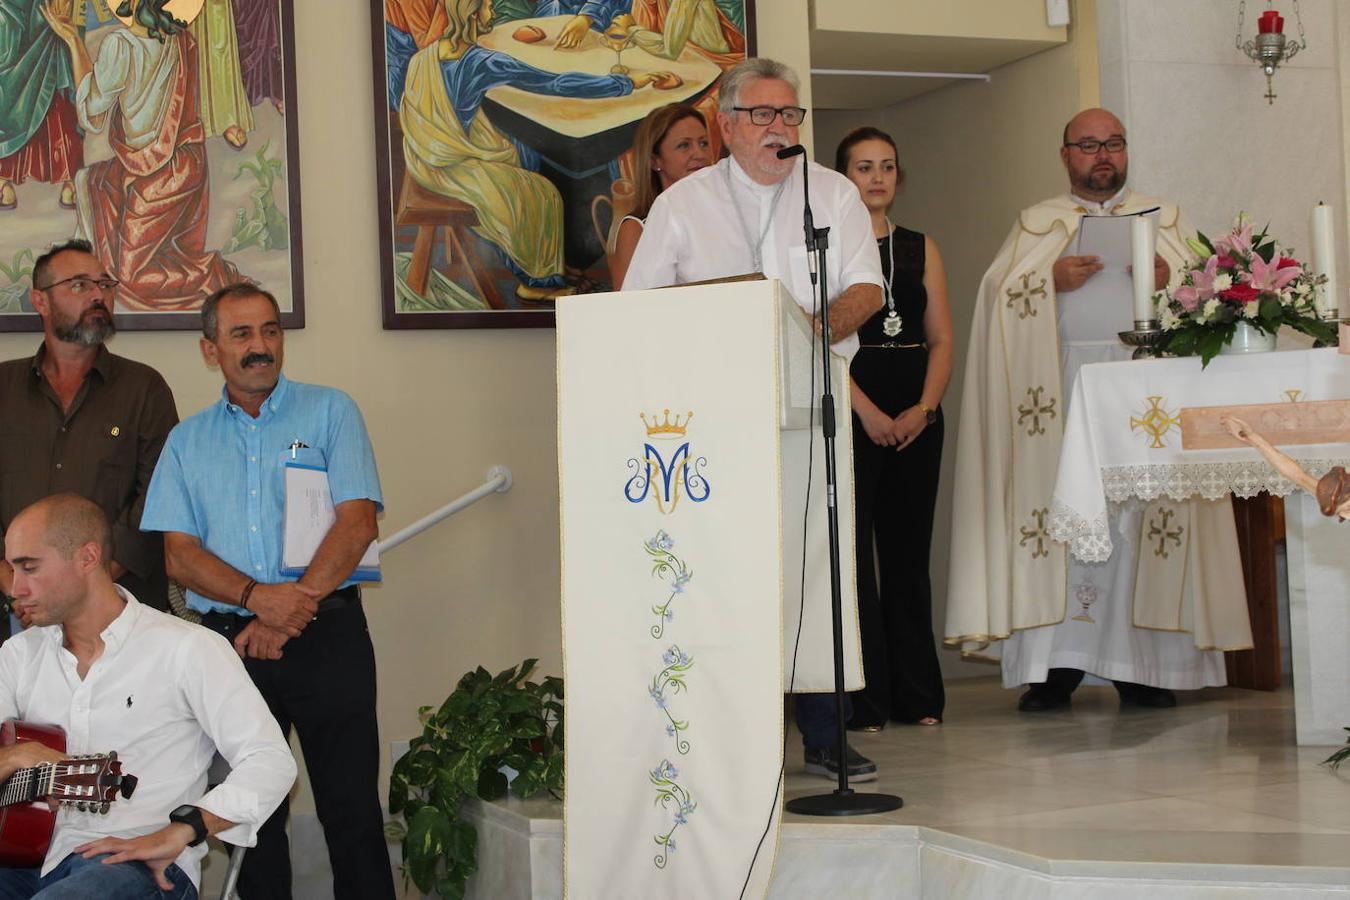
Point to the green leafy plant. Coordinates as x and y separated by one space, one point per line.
488 723
1340 756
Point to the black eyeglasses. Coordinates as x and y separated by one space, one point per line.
764 115
1090 147
83 284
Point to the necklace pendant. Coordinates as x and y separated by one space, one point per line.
892 324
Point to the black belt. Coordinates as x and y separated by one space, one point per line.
336 600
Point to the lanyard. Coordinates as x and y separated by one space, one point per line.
756 247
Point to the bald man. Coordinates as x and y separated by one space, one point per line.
1014 594
165 694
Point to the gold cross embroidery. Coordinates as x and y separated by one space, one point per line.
1293 394
1037 534
1033 409
1156 422
1026 295
1159 531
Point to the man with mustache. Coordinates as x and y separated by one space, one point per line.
1014 593
219 496
744 215
78 419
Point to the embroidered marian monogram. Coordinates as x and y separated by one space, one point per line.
1037 534
1026 295
682 474
1156 422
1159 530
1033 409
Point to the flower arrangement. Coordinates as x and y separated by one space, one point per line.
1239 278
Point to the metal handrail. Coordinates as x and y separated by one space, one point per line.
499 481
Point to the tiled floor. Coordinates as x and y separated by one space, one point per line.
1217 780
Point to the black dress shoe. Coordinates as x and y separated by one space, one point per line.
866 727
1039 699
1148 697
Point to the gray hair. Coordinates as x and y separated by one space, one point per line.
750 69
230 292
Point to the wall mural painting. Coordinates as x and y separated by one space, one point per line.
163 132
504 131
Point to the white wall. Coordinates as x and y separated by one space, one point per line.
1200 130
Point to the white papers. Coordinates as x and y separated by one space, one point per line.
1103 306
309 515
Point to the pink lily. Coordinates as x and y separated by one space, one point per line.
1238 241
1201 288
1269 277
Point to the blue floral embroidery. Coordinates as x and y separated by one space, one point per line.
671 569
668 682
670 795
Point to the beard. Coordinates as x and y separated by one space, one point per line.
86 331
1103 181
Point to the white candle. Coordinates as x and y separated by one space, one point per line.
1324 261
1141 260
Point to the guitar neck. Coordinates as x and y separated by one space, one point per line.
27 785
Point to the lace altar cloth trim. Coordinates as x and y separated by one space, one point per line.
1089 540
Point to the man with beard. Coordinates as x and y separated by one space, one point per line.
744 215
78 419
1011 588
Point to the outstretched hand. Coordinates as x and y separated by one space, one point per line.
1237 428
60 17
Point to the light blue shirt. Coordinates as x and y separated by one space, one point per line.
221 476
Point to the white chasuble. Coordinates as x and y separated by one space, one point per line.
1009 578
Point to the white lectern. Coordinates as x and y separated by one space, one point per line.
685 439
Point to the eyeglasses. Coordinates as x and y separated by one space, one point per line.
1090 147
82 284
764 115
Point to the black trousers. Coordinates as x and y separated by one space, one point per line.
895 495
324 686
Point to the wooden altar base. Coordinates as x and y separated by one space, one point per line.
1209 799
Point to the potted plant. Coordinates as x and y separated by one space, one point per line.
489 726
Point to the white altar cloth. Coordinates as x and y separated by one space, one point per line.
1122 439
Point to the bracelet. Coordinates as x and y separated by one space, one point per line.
248 589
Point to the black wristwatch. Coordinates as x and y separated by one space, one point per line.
190 815
929 414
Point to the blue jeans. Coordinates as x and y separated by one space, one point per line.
816 720
77 878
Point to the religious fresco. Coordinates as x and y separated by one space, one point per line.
504 131
163 132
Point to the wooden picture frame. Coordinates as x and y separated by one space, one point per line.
555 158
227 157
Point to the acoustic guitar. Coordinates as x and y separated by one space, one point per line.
88 783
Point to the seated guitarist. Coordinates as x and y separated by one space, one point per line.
165 694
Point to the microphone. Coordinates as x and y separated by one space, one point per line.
794 150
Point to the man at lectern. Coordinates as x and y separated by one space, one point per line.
744 215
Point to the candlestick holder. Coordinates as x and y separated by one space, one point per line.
1146 339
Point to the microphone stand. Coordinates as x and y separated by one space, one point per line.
843 800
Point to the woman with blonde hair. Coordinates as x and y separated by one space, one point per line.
671 142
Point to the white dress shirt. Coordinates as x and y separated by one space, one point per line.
166 695
692 234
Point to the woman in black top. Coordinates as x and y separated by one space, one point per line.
898 379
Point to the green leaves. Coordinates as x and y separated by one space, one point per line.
487 722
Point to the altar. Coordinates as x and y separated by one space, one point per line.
1123 441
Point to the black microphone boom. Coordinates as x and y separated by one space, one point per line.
794 150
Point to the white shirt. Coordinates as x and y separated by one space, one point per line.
166 695
692 234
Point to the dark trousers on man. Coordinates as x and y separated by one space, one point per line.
324 686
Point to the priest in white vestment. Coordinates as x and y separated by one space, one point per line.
1013 592
744 215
